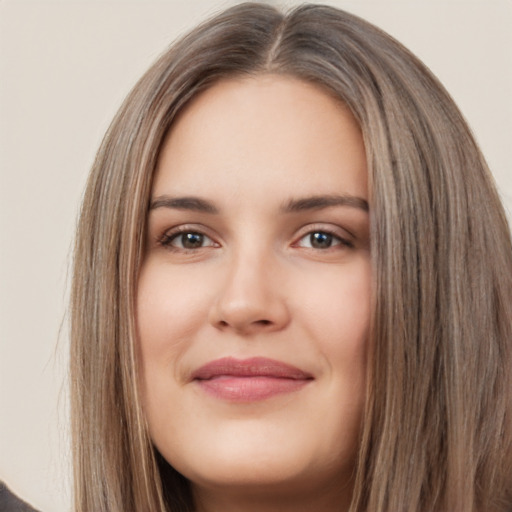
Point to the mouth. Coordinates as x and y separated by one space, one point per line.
249 380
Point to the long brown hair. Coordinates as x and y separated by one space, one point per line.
437 432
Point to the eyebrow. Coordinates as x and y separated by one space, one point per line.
184 203
320 202
292 206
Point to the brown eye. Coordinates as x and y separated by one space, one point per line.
322 240
191 240
188 240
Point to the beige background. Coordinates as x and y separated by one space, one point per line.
64 68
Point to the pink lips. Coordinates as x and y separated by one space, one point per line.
249 380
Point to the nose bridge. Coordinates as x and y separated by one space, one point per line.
250 299
250 263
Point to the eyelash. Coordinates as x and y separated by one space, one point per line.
169 238
335 237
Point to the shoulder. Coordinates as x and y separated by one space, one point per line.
11 503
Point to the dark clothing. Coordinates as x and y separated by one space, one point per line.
11 503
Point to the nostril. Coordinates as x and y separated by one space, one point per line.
244 325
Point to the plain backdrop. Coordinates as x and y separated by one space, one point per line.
65 67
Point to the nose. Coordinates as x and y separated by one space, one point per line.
251 298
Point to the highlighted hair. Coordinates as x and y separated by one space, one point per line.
437 432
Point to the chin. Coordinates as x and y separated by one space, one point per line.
265 463
252 478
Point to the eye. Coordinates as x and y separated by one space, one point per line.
187 240
322 240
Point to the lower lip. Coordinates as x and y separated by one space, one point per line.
250 389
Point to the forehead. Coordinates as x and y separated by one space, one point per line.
260 132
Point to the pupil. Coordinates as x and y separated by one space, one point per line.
192 240
320 240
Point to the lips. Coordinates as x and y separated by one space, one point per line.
249 380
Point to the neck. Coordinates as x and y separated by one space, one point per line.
264 500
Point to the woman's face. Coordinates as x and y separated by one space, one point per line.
254 296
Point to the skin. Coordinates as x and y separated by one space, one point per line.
258 279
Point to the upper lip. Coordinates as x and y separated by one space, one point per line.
252 367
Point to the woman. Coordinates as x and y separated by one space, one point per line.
293 283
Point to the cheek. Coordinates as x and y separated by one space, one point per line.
337 305
170 308
169 311
338 319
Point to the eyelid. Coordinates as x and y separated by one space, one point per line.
344 237
170 234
